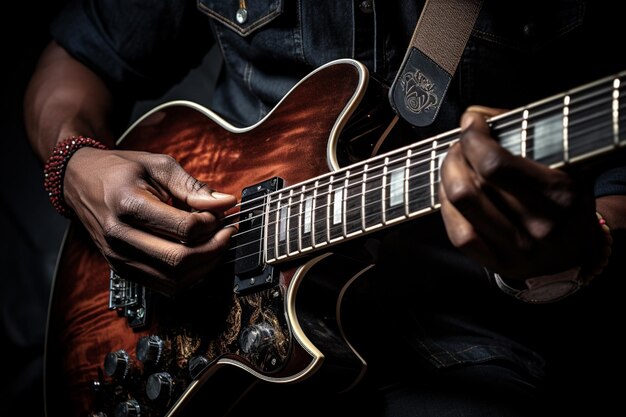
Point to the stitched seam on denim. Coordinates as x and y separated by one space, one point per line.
435 355
494 352
298 36
263 110
242 31
247 75
467 349
222 47
247 79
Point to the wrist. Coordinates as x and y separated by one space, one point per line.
56 167
555 287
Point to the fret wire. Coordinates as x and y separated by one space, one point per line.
328 204
266 228
433 156
344 204
407 172
300 225
524 133
384 192
288 223
363 190
615 112
276 227
313 219
566 101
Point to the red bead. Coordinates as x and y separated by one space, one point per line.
54 169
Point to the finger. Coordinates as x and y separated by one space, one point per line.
142 209
473 199
171 258
138 269
546 192
485 112
462 234
176 181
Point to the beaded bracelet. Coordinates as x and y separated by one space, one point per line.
54 169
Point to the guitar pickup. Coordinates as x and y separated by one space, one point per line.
251 272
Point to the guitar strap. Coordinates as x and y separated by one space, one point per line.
435 50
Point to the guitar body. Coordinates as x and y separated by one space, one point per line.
295 142
277 318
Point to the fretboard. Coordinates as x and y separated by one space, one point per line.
403 184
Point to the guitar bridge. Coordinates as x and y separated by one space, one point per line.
129 299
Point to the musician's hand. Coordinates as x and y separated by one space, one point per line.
121 198
513 215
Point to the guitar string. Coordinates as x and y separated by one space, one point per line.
298 193
504 123
325 208
558 107
327 231
538 110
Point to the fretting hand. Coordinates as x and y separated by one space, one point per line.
513 215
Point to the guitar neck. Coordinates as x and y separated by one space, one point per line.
403 184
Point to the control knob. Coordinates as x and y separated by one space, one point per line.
117 364
159 387
130 408
149 350
255 337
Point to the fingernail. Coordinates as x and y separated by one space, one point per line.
216 194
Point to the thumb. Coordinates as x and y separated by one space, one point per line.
477 116
184 187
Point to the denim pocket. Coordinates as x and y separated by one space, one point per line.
258 13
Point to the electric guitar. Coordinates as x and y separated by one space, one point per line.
307 182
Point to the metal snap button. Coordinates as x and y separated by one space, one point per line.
366 6
241 16
242 12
